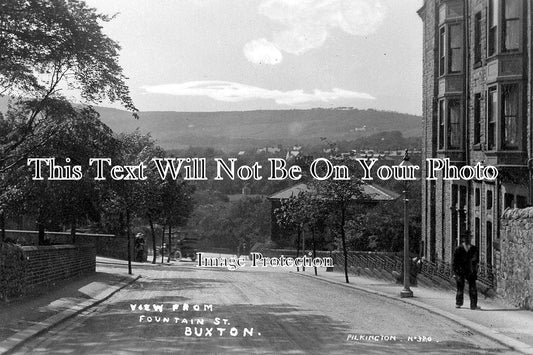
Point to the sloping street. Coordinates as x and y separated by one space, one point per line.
189 310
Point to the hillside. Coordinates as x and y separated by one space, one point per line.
242 129
238 130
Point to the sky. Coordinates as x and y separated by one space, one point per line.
226 55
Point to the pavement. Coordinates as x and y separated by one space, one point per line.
504 323
25 319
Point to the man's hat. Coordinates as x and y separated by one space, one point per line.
466 235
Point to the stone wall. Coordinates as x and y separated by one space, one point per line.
28 268
515 269
108 245
429 135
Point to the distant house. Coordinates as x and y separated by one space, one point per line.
292 154
269 150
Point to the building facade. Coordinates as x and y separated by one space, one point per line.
477 84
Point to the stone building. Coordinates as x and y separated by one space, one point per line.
477 84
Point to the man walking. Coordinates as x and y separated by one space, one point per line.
465 266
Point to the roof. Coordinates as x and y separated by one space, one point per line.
289 192
374 192
378 193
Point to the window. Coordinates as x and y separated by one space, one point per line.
492 27
491 119
455 216
510 124
450 48
477 38
455 46
489 199
462 209
511 25
521 201
477 197
462 197
477 119
489 243
455 189
454 124
441 124
442 50
508 201
477 232
450 135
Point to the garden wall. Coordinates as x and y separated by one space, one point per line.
516 257
24 269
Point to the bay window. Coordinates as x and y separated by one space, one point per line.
504 117
510 119
455 47
450 124
454 124
477 119
492 111
451 48
511 25
503 26
492 35
477 38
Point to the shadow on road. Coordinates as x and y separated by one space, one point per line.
175 284
271 329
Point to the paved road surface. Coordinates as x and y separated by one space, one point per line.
268 311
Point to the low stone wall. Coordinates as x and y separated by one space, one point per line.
45 265
515 272
28 268
108 245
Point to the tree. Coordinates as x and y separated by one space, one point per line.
76 135
250 222
316 215
228 225
292 214
149 194
177 205
48 46
339 197
45 42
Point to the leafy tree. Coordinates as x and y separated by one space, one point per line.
76 136
178 205
49 46
230 225
317 214
292 214
249 217
46 42
339 197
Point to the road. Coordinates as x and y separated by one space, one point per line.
252 311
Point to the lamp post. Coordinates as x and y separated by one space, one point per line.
406 292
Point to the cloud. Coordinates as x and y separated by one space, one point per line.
228 91
309 22
261 51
